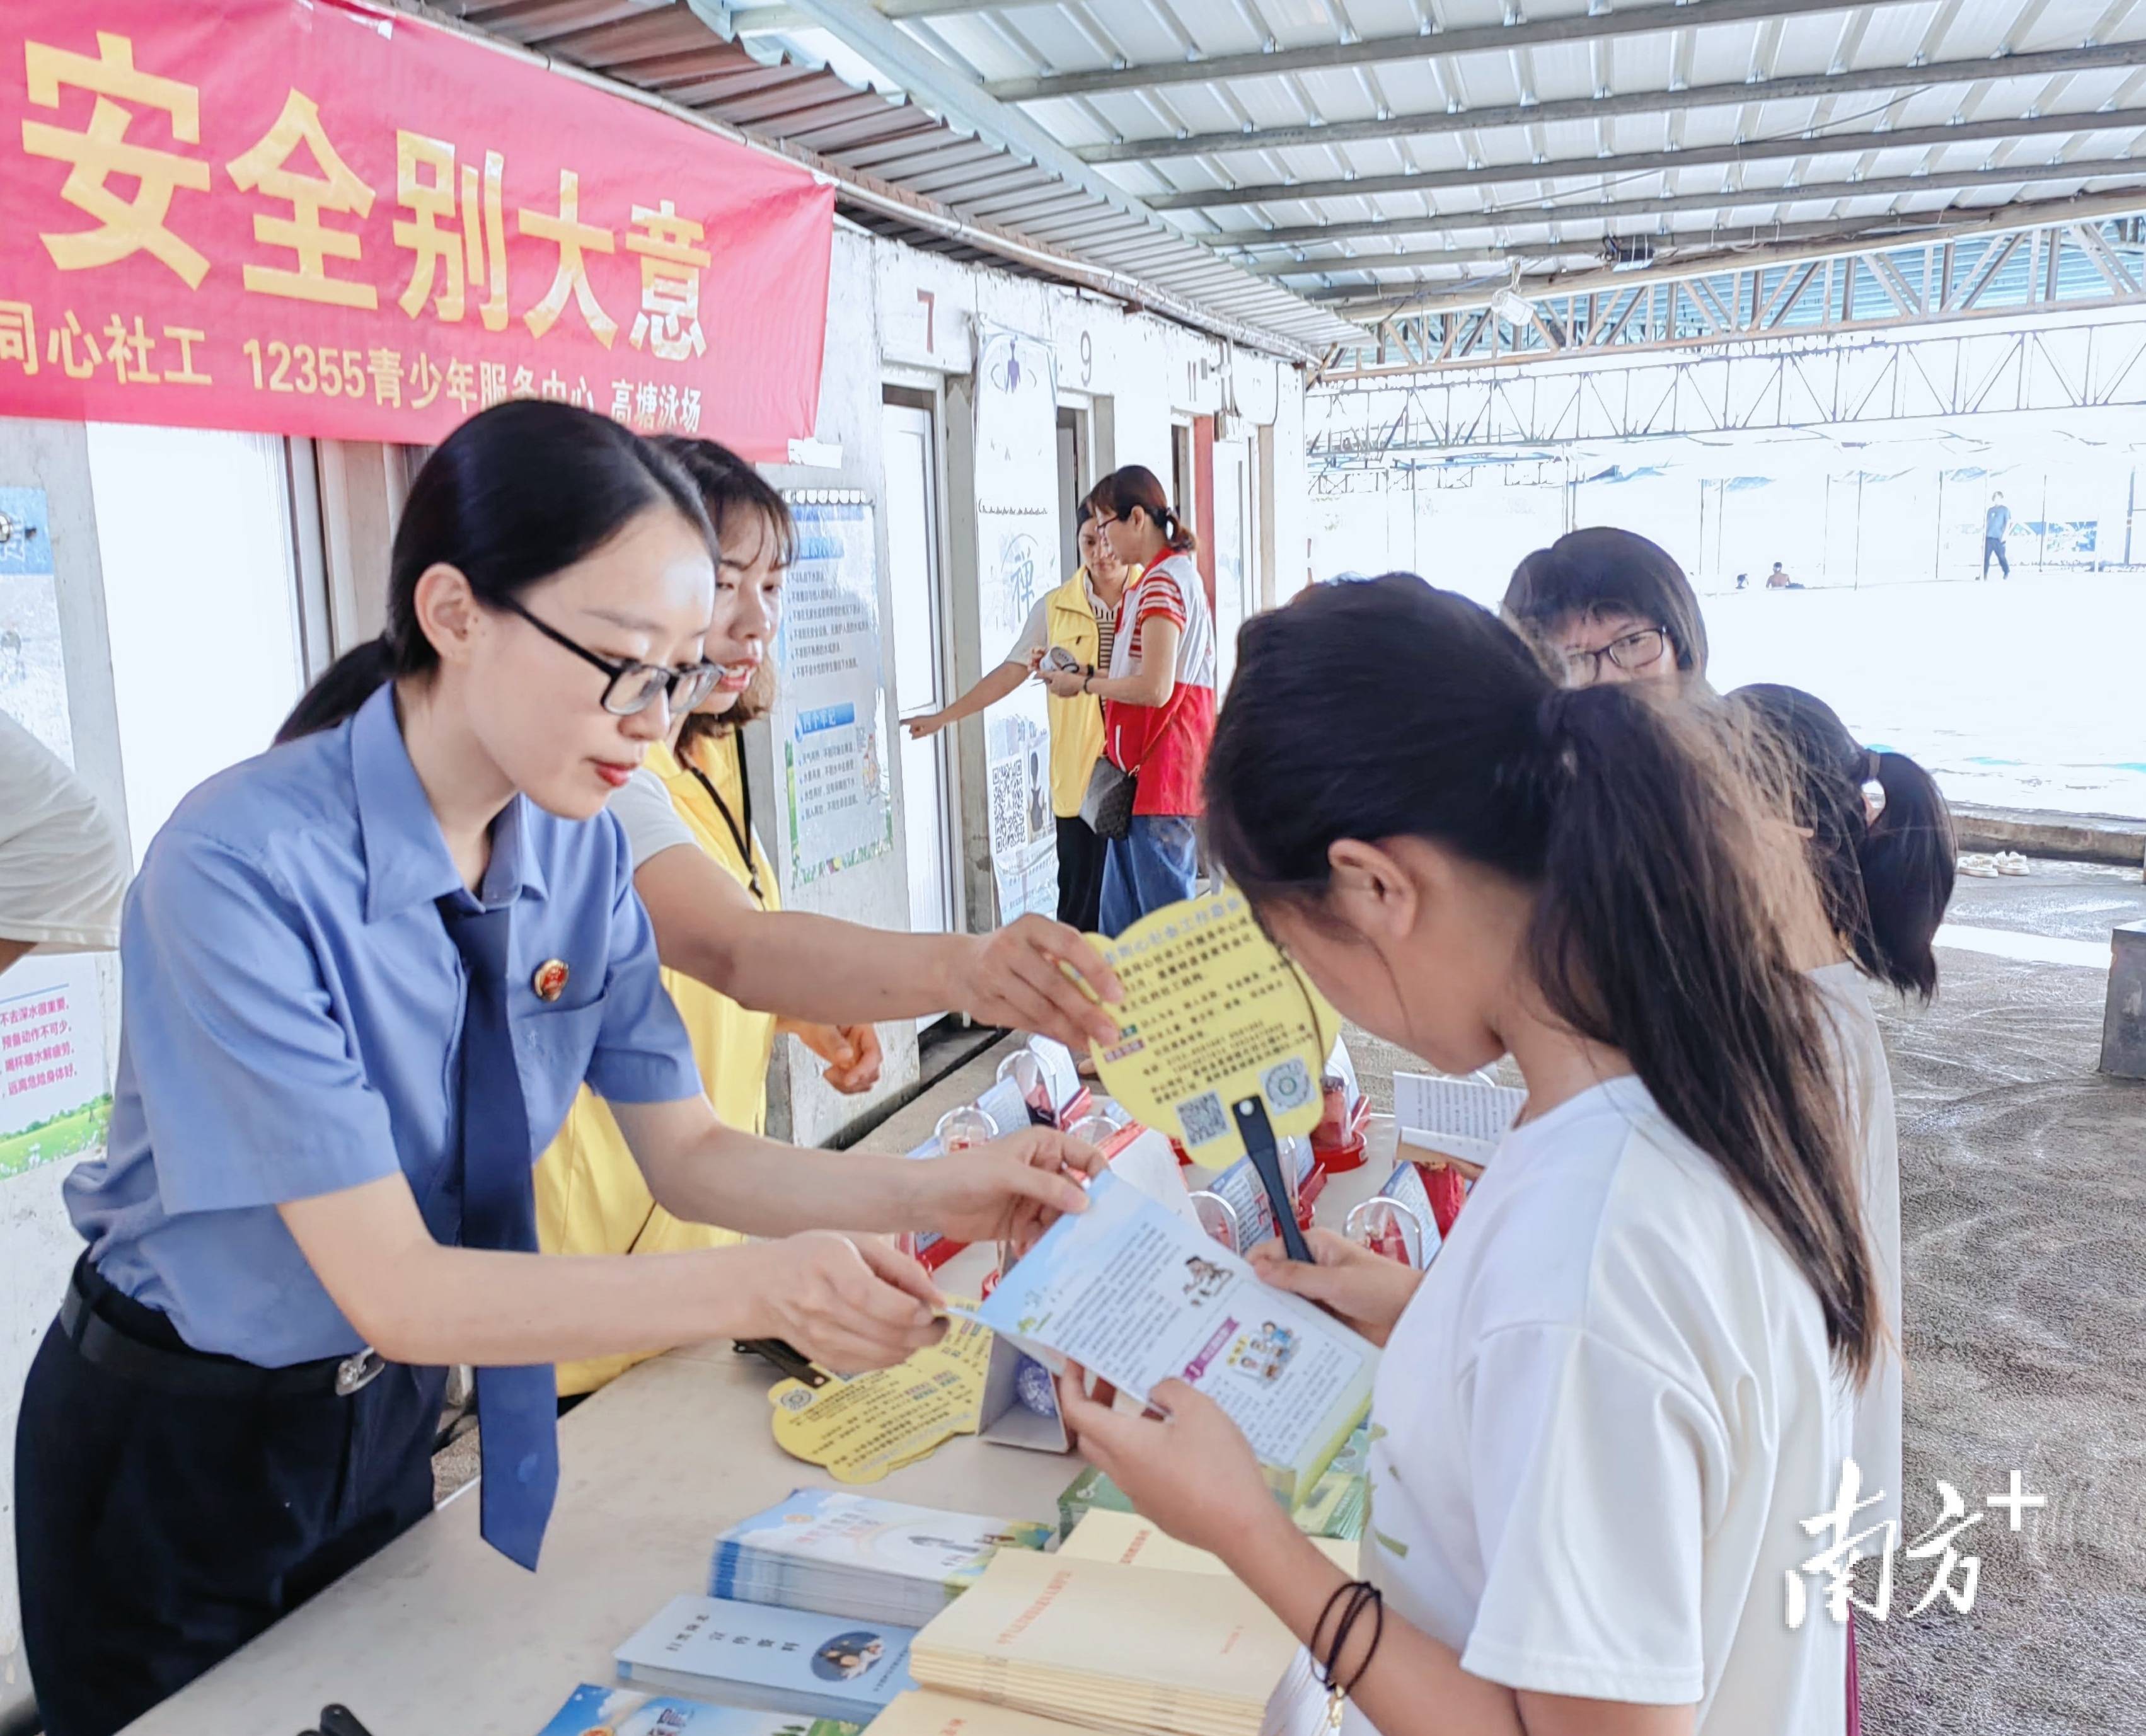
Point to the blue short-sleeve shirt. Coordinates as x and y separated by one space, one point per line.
291 1019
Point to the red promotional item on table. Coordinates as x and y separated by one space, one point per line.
321 218
1448 1194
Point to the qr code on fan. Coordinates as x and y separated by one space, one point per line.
1009 806
1202 1119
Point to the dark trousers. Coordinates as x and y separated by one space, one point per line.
1081 857
156 1532
1994 546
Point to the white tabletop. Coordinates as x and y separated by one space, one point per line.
439 1635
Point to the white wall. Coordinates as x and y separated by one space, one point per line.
195 530
1136 372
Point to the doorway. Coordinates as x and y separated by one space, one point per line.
1233 542
909 438
1074 481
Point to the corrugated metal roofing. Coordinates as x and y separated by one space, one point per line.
1294 164
664 48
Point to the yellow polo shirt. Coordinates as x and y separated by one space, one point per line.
1077 724
591 1198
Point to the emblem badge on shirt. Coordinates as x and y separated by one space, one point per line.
551 978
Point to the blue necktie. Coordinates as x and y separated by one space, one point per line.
517 1407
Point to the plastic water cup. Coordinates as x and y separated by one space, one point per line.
1389 1227
961 1129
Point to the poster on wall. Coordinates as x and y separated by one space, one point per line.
53 1103
830 720
1017 563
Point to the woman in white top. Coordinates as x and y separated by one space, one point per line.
1604 1413
1885 869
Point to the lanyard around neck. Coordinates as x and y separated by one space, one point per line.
740 832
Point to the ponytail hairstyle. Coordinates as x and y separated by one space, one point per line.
1387 708
1137 485
1886 881
1605 572
732 491
516 494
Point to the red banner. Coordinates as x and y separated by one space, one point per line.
306 216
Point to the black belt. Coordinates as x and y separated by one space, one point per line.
123 1337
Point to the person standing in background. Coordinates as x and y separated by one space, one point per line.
62 860
1158 697
1996 526
1079 618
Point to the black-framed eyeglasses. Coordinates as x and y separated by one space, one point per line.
634 687
1628 652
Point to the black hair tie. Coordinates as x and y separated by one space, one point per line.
1352 1599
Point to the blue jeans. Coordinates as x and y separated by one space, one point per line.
1156 863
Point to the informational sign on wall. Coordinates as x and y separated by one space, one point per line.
1017 562
830 719
53 1103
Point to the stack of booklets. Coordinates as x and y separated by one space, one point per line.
1115 1647
1337 1507
842 1554
1132 1541
592 1710
927 1714
760 1659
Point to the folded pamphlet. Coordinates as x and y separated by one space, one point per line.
1462 1117
1138 1295
839 1554
762 1659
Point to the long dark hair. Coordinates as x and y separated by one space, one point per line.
1886 882
1387 708
1602 571
1137 485
730 488
517 493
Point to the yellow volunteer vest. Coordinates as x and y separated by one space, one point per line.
589 1196
1077 724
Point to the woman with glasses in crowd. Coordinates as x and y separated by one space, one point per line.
365 974
1604 604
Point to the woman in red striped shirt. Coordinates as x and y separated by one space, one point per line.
1158 697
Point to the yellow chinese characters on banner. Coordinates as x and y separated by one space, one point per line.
316 218
1213 1015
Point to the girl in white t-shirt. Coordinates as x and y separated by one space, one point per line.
1885 870
1605 1414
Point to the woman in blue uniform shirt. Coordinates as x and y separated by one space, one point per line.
364 974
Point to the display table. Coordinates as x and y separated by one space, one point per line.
439 1635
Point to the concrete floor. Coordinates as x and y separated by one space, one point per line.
2023 1225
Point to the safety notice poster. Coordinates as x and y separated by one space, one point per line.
831 714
